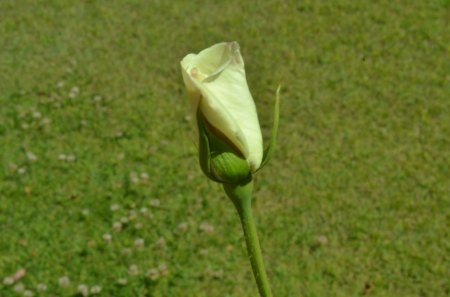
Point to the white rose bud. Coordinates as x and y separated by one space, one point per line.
230 140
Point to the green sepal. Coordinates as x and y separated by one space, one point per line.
219 160
204 150
270 149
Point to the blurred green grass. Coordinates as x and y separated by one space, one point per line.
354 203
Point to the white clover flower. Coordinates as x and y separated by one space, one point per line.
155 203
119 134
183 227
28 293
134 178
152 274
160 243
41 287
107 237
117 226
45 121
207 228
64 281
32 157
122 281
83 290
96 289
217 274
37 115
19 288
163 270
132 215
7 281
74 92
133 270
13 167
115 207
139 243
321 239
126 251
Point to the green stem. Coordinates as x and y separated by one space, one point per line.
241 195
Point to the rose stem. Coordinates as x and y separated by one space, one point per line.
241 195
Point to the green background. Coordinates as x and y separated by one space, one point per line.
355 202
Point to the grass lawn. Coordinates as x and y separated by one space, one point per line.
100 187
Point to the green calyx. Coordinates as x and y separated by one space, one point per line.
219 159
229 168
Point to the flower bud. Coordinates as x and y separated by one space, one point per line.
230 138
219 159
